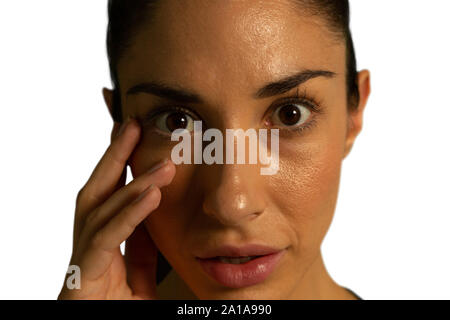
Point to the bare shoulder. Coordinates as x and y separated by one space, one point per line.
348 294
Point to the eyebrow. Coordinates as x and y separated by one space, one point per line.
272 89
291 82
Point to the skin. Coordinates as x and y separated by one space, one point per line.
223 51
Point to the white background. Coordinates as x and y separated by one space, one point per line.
390 235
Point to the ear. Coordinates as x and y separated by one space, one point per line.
108 97
356 117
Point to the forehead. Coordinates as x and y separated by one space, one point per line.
237 45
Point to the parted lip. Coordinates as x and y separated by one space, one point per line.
238 251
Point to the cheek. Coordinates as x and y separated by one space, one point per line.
165 225
306 190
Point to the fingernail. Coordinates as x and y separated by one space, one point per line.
145 192
124 126
159 165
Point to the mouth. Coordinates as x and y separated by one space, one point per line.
235 260
232 268
230 251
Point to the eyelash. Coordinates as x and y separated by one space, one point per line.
164 108
302 98
305 99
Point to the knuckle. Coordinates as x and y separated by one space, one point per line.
81 196
129 228
128 223
115 156
85 195
97 240
90 218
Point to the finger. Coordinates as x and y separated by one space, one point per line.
109 170
120 227
122 180
164 174
78 227
123 177
141 260
105 243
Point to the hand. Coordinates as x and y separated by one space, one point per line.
108 213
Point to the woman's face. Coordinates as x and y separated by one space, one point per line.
225 52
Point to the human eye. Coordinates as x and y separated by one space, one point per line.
294 114
166 119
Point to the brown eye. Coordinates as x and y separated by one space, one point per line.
176 120
171 121
291 115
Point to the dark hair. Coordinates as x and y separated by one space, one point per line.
337 14
125 18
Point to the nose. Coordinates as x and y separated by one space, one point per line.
233 193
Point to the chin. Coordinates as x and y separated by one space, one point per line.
262 291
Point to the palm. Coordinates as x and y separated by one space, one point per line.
131 277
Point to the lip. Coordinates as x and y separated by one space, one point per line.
232 251
245 274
